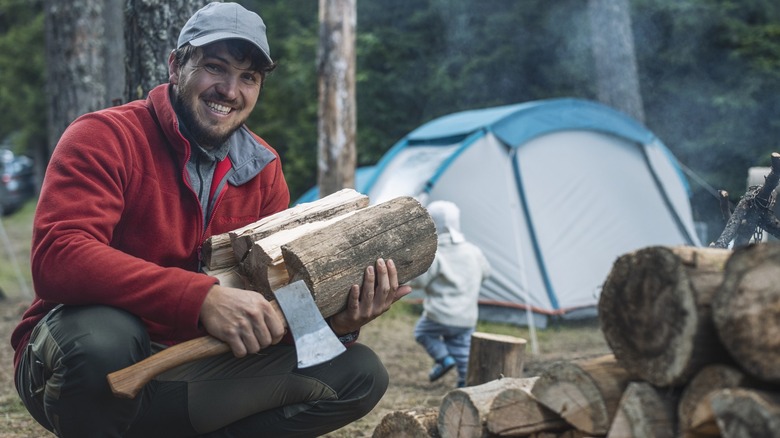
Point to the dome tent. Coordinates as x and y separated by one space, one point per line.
553 192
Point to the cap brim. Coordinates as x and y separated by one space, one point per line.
218 36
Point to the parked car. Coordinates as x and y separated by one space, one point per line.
17 181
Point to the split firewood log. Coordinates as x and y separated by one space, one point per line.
230 277
645 411
694 412
410 423
493 356
335 257
742 412
584 392
264 268
463 411
515 412
228 249
655 313
746 309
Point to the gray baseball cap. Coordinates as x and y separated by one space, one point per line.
220 21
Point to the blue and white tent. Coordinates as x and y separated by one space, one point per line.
552 191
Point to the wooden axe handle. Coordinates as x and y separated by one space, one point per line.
127 382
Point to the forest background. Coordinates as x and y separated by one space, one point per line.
709 76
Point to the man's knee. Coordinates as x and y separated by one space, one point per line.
371 378
95 340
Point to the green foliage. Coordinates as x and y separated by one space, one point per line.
709 73
709 77
22 74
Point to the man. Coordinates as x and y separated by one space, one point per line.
130 194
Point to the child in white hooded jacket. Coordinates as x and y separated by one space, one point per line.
451 287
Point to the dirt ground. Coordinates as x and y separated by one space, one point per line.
390 335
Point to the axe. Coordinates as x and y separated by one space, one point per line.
315 342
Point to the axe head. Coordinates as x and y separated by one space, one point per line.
315 342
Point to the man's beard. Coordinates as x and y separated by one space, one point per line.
205 137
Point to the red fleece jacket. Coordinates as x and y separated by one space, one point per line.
118 224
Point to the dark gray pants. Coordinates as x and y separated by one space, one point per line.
62 382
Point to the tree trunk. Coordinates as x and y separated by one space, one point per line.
337 103
75 58
494 356
644 411
151 31
745 310
585 392
747 413
655 314
612 43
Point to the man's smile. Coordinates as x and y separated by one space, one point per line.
218 108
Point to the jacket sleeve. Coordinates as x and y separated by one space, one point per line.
85 250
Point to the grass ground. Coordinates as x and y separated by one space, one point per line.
390 336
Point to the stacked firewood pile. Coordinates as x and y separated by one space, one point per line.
695 337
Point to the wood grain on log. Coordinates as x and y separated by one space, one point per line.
410 423
264 266
493 356
743 413
655 312
583 392
463 412
334 258
746 309
515 412
228 249
694 412
645 411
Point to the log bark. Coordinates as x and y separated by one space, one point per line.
410 423
645 411
742 412
746 307
264 266
463 412
694 412
335 257
583 392
493 356
655 312
515 412
229 249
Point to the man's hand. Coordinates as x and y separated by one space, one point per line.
379 291
243 319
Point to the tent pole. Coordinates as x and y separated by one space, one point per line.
514 203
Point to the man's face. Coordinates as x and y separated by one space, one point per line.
214 93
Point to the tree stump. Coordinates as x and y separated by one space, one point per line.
746 309
410 423
655 312
584 392
493 356
694 412
743 412
644 411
